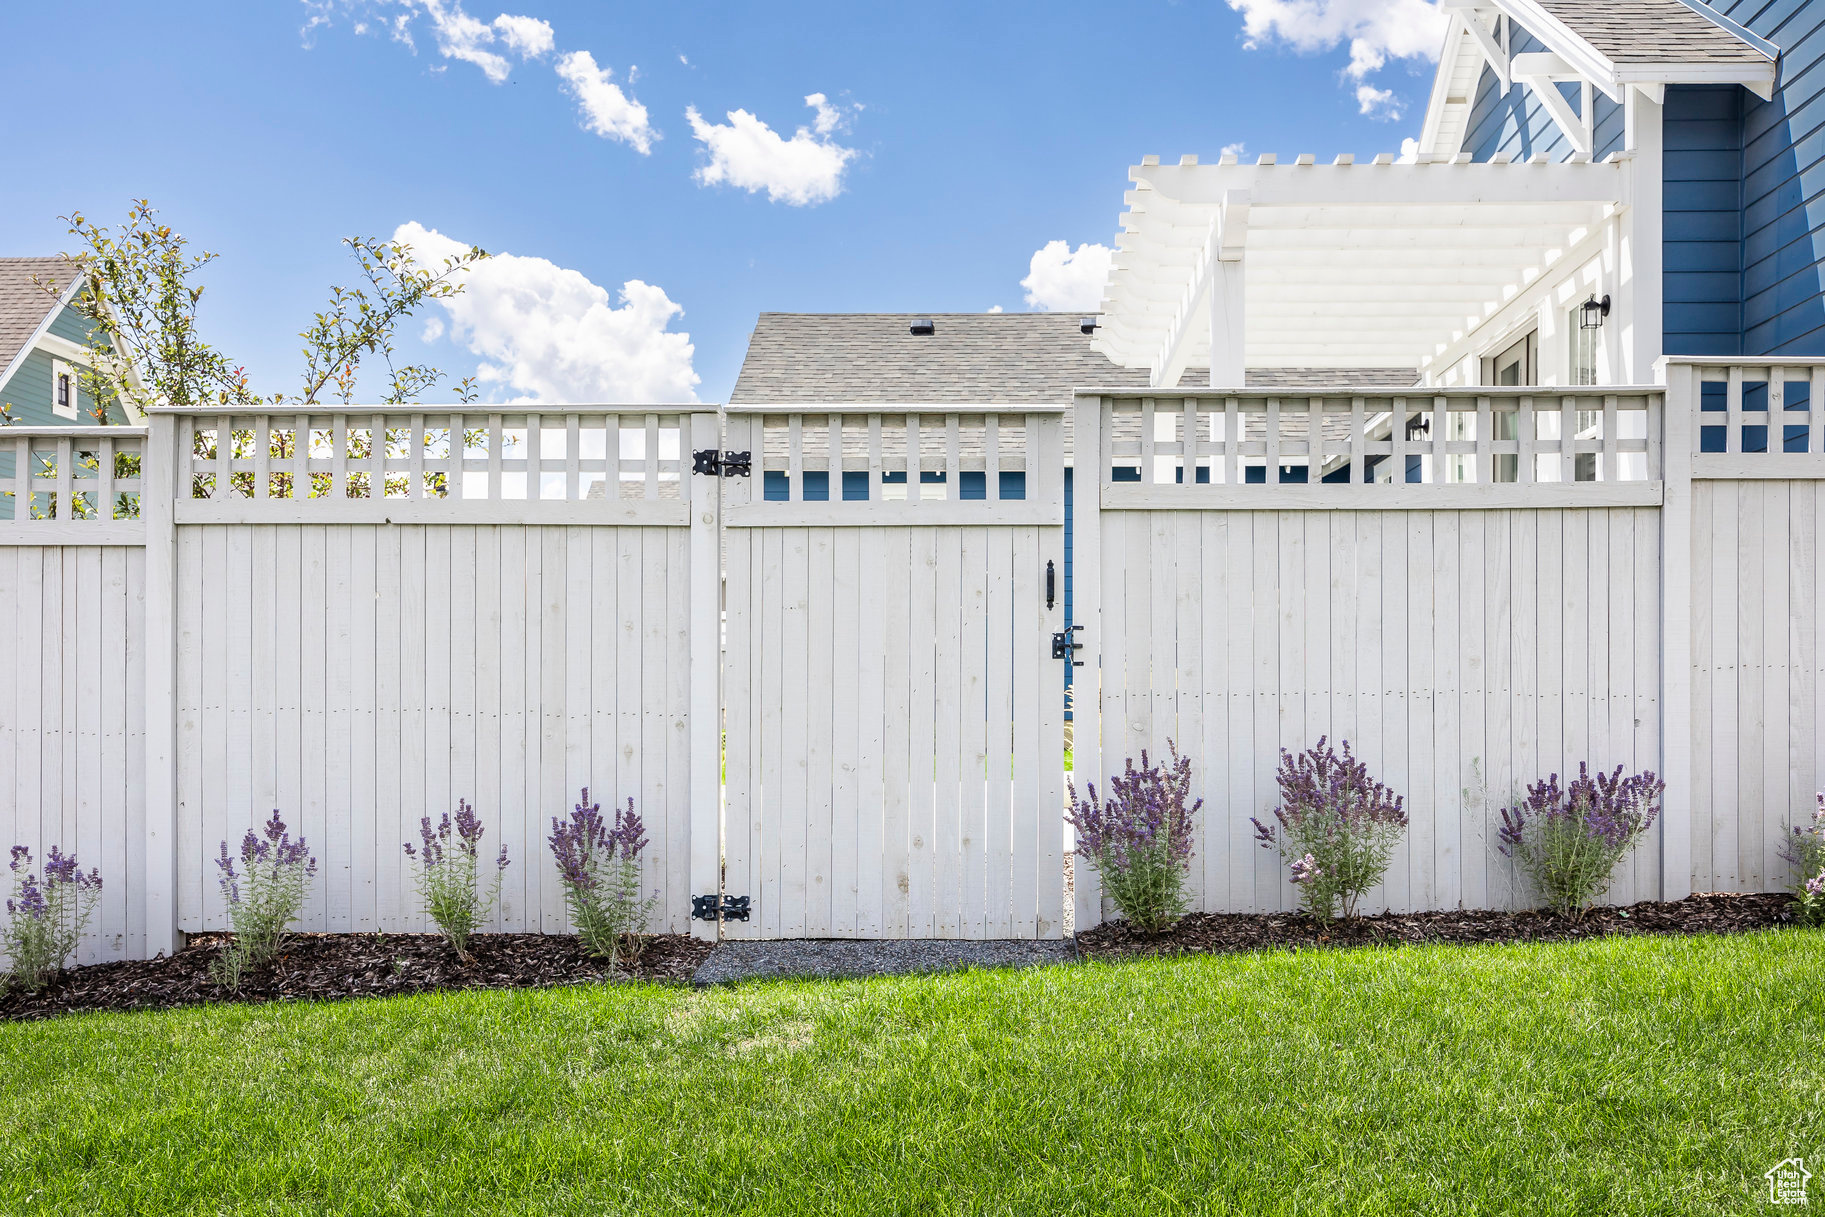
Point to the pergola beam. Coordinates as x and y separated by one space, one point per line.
1216 289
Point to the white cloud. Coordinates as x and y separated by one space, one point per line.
458 35
1375 31
1236 150
1373 101
1409 151
747 153
1060 279
548 334
528 36
996 309
607 111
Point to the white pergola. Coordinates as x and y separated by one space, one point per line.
1346 265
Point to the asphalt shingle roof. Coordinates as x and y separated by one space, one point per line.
969 358
23 303
1651 31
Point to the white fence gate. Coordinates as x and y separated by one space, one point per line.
895 721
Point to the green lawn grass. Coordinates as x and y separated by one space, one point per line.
1656 1075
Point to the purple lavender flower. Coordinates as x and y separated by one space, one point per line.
1569 839
448 859
1140 838
1336 826
47 912
599 865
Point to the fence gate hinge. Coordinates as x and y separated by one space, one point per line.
721 464
729 908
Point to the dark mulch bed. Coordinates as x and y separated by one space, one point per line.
317 967
1212 933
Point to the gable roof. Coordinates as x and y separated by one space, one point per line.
969 359
24 306
1611 43
1635 32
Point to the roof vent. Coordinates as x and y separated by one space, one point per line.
923 325
1086 325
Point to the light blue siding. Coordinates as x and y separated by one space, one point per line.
29 390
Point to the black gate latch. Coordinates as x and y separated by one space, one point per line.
723 464
731 908
1066 647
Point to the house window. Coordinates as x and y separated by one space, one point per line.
1582 366
63 389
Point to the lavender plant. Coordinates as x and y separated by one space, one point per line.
1805 852
599 865
1568 841
47 914
265 895
447 872
1337 827
1139 839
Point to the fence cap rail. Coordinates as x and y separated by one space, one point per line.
1380 391
20 432
467 410
1745 361
901 407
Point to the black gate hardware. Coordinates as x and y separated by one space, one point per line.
729 908
1049 576
1065 647
725 464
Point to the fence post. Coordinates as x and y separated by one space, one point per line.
706 671
1679 410
158 507
1087 476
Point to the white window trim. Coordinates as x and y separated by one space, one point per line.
60 369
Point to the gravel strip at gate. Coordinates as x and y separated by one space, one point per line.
848 957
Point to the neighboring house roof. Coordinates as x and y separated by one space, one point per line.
26 308
968 359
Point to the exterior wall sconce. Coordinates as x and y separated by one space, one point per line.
1592 312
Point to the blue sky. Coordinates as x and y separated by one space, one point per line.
953 142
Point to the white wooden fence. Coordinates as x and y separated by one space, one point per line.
73 674
360 616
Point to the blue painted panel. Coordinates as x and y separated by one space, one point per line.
1702 230
1783 214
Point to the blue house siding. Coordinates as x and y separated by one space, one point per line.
1701 247
1517 123
1781 222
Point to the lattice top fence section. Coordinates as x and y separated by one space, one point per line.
525 455
1753 418
1475 437
70 474
910 464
